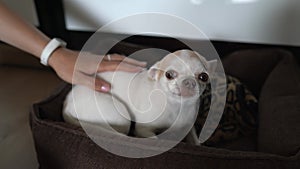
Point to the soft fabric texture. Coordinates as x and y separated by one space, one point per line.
273 75
279 130
61 145
252 66
64 146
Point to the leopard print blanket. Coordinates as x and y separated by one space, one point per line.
239 117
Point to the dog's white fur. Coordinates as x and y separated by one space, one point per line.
147 97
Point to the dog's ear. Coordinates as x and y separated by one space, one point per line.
212 66
153 72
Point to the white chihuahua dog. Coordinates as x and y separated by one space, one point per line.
152 98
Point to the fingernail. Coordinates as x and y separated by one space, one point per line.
143 63
139 69
105 88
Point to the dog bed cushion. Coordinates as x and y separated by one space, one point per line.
273 76
61 145
279 131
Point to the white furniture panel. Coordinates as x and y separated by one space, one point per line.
254 21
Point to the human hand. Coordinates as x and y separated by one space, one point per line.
63 61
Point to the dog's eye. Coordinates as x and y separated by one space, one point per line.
203 77
171 74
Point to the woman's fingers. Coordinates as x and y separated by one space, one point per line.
118 66
114 62
92 82
122 58
135 62
82 70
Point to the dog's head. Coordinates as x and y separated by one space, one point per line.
184 73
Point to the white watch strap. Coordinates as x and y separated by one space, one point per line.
50 48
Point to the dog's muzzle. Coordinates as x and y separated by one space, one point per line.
188 87
189 83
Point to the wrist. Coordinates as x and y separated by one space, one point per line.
57 57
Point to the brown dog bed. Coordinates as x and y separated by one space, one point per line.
272 75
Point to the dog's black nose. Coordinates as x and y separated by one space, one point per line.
189 83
